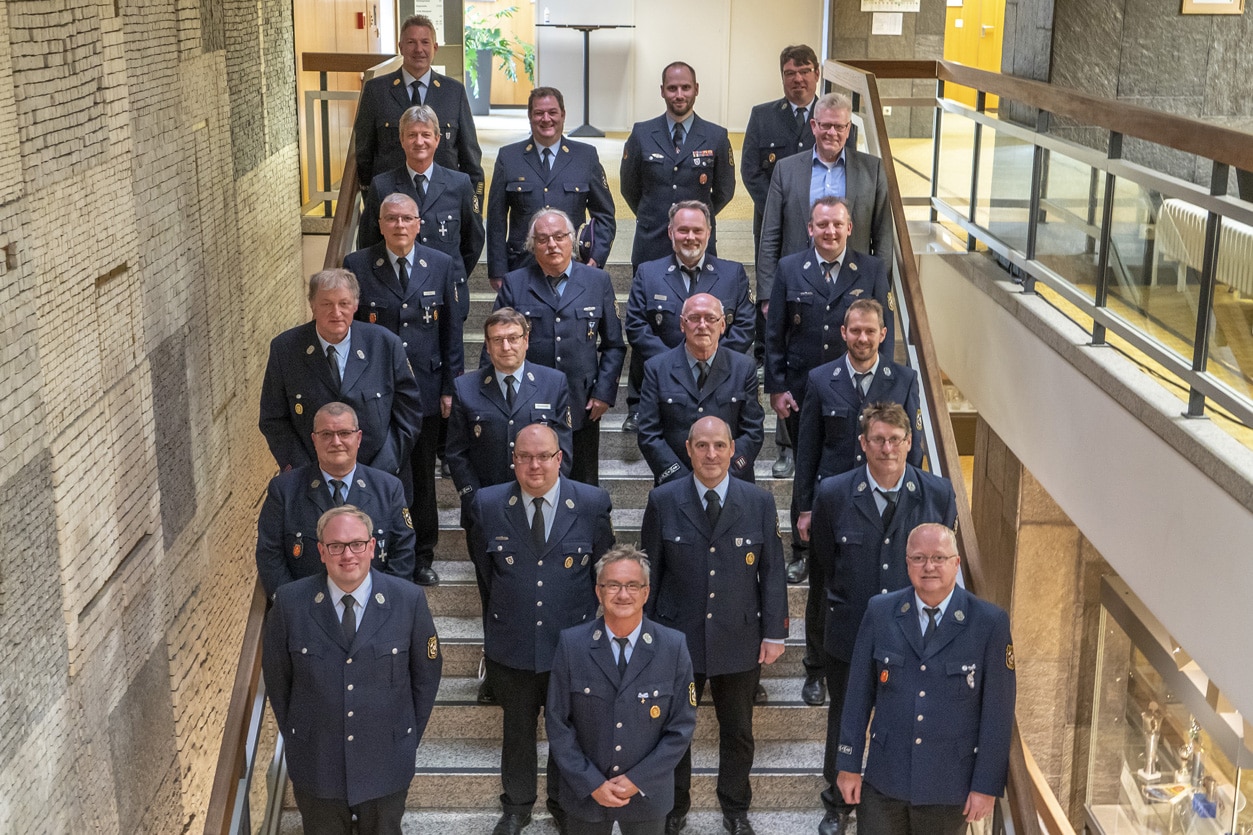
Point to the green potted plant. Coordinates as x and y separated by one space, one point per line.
485 41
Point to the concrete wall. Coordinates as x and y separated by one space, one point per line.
148 203
1166 500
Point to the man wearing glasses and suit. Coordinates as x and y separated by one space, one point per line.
542 534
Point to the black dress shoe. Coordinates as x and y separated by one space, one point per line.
675 824
511 823
834 823
798 570
814 691
426 577
738 826
486 696
785 464
632 422
759 695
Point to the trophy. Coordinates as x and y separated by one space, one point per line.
1151 727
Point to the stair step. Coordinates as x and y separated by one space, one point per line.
458 593
460 717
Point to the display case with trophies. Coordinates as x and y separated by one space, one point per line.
1169 754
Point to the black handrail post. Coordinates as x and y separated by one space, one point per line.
935 149
326 143
1107 222
1205 298
981 99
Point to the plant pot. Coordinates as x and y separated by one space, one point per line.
481 104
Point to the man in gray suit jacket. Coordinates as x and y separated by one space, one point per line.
831 170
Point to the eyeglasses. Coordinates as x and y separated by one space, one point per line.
512 339
540 458
630 588
337 434
879 440
335 549
559 237
698 319
802 72
399 218
835 126
935 559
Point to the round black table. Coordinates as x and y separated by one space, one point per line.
586 129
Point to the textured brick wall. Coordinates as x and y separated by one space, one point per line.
148 195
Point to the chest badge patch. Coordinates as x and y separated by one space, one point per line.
432 648
404 511
509 560
704 178
300 409
654 712
750 558
296 550
1009 656
883 677
379 598
319 597
691 693
569 562
648 639
478 429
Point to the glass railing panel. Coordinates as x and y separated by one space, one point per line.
1231 338
1072 197
1149 299
258 794
1005 187
957 140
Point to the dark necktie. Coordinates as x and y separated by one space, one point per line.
419 185
679 136
930 630
537 523
858 379
622 659
349 623
555 281
827 267
889 509
547 158
416 97
337 495
713 507
509 381
693 274
802 118
401 268
332 361
702 375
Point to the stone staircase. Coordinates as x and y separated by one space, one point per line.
457 785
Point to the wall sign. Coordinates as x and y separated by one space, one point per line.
892 5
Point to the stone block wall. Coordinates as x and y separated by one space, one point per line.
1049 577
149 250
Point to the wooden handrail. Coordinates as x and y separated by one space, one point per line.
342 61
347 212
1181 133
1021 790
231 756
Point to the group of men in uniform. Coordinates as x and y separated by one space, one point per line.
614 645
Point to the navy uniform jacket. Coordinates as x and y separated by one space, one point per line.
803 326
533 594
862 559
287 530
377 129
425 317
771 135
724 589
600 727
654 177
785 226
938 747
481 427
450 219
351 730
521 186
670 404
658 294
578 333
830 422
377 383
